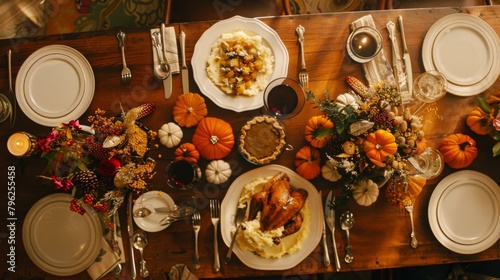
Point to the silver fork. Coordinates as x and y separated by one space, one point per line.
303 75
414 241
196 228
215 216
126 74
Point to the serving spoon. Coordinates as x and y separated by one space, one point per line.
140 241
162 70
346 223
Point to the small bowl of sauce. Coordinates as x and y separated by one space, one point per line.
364 44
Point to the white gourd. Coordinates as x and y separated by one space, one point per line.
366 192
347 99
218 172
330 173
170 134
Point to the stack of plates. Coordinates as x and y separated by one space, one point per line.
55 85
464 212
58 240
466 50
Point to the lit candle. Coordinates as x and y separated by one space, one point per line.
21 144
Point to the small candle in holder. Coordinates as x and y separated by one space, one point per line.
364 44
21 144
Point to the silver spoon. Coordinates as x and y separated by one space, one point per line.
140 240
143 212
346 223
162 70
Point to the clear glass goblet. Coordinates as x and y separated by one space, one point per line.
284 98
429 164
429 86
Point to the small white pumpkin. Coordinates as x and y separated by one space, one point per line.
218 172
330 173
347 99
366 192
170 134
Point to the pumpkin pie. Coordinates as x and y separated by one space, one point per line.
262 139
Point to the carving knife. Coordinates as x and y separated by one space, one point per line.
326 256
406 58
130 228
184 69
167 83
330 221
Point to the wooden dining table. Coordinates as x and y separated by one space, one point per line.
380 237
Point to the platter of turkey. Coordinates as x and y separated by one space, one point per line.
283 222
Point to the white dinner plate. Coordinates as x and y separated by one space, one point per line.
202 51
54 85
464 212
466 50
228 211
58 240
151 200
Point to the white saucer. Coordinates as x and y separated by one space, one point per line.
151 200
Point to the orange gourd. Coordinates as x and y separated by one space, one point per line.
307 162
415 185
318 131
421 146
213 138
380 145
458 150
189 109
188 152
479 121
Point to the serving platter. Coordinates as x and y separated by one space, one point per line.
464 212
58 240
54 85
202 51
228 212
466 50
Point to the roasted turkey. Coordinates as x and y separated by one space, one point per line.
279 205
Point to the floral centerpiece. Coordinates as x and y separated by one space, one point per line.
370 141
101 163
485 120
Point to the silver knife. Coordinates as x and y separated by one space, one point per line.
330 221
184 69
406 57
130 228
326 256
167 83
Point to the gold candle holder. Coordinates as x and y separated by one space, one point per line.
22 144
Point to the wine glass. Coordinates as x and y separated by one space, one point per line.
430 86
429 164
364 44
284 98
182 175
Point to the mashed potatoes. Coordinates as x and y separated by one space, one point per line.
240 64
261 243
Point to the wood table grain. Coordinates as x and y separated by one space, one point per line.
380 237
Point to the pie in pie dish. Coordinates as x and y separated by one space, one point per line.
262 139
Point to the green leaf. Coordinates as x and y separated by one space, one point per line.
484 105
496 149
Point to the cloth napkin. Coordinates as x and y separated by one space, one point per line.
180 272
379 68
171 49
108 259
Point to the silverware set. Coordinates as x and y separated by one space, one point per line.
125 74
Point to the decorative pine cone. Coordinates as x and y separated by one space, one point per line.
86 180
382 119
334 146
98 151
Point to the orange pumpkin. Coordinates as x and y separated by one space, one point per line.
479 121
189 109
421 146
307 162
318 131
213 138
380 145
188 152
415 185
458 150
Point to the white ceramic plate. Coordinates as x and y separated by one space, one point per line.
228 211
58 240
202 51
151 200
466 50
55 85
464 212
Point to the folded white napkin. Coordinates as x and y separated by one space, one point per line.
378 69
180 272
105 262
171 49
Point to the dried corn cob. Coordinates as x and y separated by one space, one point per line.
145 109
357 86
